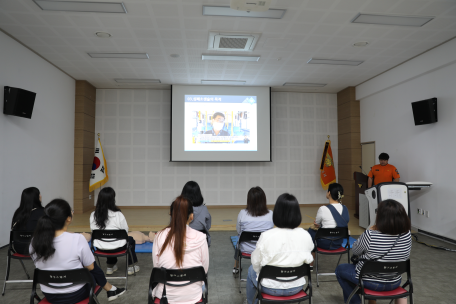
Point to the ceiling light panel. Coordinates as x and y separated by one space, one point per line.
296 84
120 55
78 6
416 21
223 82
227 11
334 62
230 57
131 80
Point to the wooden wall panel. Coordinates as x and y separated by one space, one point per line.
349 138
85 105
84 145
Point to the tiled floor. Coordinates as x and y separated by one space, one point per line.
433 273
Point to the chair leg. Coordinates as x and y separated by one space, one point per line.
240 273
134 270
316 268
25 269
126 271
98 260
340 257
8 261
411 298
352 294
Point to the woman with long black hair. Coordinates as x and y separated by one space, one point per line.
179 246
53 248
26 217
201 217
108 216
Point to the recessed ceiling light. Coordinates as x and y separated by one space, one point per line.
223 82
209 10
334 62
230 57
79 6
103 34
175 55
131 80
120 55
416 21
296 84
361 43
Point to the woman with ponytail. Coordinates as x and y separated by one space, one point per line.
27 215
331 216
108 216
53 248
177 247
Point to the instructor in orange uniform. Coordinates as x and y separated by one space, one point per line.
383 172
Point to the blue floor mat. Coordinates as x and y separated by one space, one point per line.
234 240
146 247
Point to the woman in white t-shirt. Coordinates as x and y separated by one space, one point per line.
284 246
53 248
107 216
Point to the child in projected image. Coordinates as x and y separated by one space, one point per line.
217 123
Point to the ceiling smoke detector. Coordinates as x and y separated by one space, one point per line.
222 41
250 5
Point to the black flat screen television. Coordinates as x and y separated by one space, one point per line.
425 111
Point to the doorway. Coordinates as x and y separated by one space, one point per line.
367 156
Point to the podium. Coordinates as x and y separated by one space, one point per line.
391 190
360 186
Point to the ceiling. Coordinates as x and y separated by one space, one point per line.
310 28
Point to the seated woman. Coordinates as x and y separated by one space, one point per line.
201 216
389 240
179 246
53 248
284 246
27 215
255 218
108 216
331 216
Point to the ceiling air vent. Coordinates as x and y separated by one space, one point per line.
250 5
228 42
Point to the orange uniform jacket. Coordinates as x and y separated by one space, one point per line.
383 174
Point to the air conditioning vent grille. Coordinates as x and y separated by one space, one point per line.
232 43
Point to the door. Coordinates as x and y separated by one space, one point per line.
367 156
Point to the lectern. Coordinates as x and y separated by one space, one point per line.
360 187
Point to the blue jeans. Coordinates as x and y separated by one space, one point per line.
346 275
252 287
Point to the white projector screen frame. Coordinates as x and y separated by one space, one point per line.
263 144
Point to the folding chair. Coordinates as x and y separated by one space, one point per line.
331 234
274 273
189 275
112 236
246 236
17 237
397 268
73 277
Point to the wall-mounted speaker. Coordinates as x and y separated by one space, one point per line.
425 111
18 102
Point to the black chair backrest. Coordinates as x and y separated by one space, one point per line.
247 236
371 267
68 277
332 233
109 235
21 237
164 276
273 273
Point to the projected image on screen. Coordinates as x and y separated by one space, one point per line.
220 123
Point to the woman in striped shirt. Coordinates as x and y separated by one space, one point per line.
389 240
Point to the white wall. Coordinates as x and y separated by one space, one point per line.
135 134
421 153
35 152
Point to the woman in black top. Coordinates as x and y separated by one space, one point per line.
27 215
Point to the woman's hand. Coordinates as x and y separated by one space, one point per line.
316 225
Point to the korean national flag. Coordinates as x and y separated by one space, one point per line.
99 174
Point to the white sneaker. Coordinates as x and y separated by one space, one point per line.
111 270
131 271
